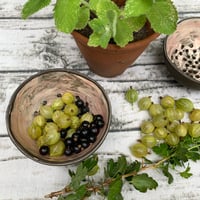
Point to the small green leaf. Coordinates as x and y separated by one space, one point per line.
142 182
116 168
66 14
114 191
162 150
165 170
32 6
135 8
193 155
101 7
186 173
124 33
101 33
136 23
92 165
133 167
78 194
83 17
181 153
112 20
163 16
80 175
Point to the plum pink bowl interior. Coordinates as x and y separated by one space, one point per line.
45 86
182 52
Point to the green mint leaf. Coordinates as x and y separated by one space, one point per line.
186 173
79 176
101 33
163 16
165 170
101 7
124 33
66 14
143 182
135 8
116 168
162 150
136 23
112 20
32 6
83 17
114 191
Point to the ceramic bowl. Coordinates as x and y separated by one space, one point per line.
182 52
45 86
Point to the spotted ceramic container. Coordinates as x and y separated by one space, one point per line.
45 86
182 52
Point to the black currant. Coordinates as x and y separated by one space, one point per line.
94 130
68 151
44 150
92 137
69 142
99 123
63 133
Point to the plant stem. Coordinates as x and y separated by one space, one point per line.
107 182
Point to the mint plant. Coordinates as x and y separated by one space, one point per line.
106 19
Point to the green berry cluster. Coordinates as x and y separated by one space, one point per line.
65 126
169 121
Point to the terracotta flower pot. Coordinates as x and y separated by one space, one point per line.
113 60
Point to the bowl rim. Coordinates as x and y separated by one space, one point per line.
197 83
29 154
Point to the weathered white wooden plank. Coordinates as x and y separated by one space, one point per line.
26 179
35 44
31 45
12 8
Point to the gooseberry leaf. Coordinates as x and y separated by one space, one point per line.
80 175
79 194
66 14
92 165
165 170
186 173
135 8
162 150
143 182
163 16
115 168
114 192
32 6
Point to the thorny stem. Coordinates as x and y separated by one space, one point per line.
107 182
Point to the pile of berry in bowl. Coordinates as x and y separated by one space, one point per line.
182 52
58 117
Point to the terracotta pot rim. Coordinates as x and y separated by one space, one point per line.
84 41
